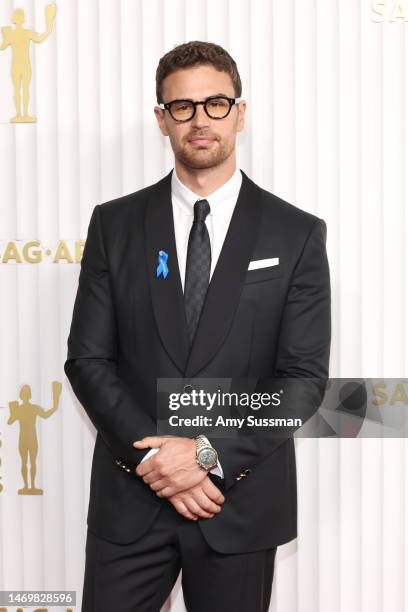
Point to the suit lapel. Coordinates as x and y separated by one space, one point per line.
226 282
167 293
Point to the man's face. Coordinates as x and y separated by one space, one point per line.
198 83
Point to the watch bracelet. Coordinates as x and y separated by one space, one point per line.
201 443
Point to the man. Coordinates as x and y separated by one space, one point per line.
146 309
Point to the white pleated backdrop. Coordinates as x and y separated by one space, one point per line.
327 87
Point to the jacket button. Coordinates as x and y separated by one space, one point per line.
243 474
188 388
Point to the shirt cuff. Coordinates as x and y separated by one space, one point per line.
151 452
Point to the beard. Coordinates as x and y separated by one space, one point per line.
206 156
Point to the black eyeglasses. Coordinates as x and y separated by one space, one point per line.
216 107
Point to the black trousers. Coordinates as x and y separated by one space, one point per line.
138 577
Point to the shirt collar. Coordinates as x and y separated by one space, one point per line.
218 199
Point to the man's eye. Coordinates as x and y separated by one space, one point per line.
218 103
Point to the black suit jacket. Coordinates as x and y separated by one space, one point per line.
129 328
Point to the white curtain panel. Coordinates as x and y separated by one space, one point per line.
326 85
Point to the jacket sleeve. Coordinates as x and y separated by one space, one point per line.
91 364
303 353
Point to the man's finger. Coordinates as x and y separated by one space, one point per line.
212 491
184 511
149 466
205 502
145 468
166 492
153 441
157 484
195 508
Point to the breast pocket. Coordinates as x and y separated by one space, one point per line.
263 274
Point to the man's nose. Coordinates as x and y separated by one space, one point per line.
200 118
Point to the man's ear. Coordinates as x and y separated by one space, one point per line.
241 116
160 120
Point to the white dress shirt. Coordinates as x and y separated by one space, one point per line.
222 202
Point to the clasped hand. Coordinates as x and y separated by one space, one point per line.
174 468
174 473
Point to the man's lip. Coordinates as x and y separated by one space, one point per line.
201 139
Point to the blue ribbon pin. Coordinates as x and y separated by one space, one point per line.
162 268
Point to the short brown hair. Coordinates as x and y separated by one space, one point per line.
197 53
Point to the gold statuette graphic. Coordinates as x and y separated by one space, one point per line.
19 39
26 414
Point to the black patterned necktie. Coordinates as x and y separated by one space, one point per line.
198 266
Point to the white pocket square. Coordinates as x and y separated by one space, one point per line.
263 263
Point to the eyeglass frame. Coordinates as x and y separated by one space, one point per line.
232 101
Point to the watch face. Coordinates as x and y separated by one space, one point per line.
207 457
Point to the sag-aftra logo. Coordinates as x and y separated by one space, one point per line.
393 11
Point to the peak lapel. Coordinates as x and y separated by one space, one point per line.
167 293
227 280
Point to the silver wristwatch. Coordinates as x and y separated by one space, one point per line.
206 455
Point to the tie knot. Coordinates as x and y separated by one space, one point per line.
201 210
